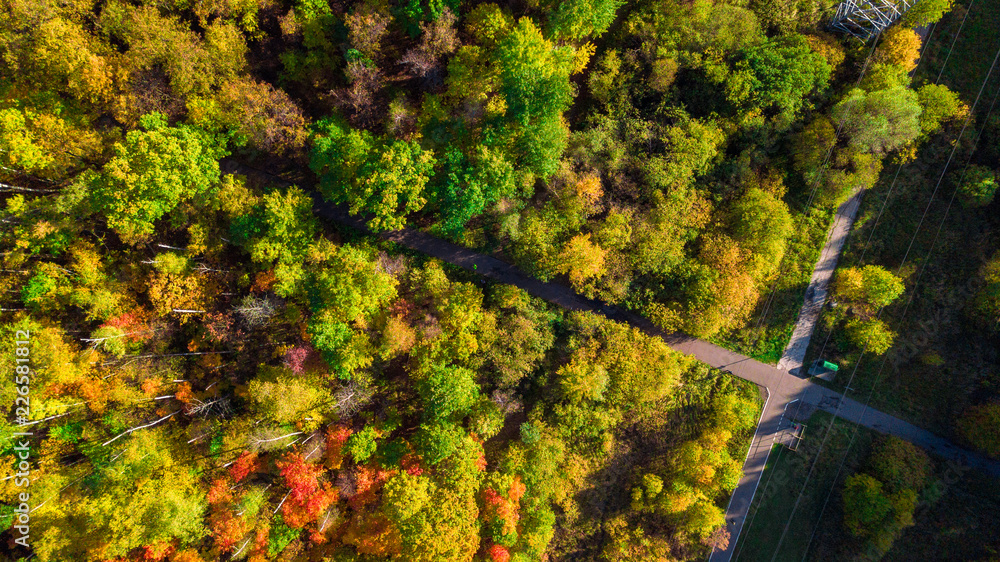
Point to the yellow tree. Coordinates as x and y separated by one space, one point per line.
582 260
900 46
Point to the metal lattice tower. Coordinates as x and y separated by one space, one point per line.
865 19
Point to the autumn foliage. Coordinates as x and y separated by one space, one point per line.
307 497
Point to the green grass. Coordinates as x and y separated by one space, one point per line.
973 52
940 361
772 457
780 485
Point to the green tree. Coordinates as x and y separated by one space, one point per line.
778 73
811 147
691 148
143 498
879 121
702 518
761 224
646 495
361 445
534 76
287 226
344 349
866 506
485 419
19 147
925 13
517 346
385 179
350 286
578 19
852 170
582 260
151 173
939 104
899 465
872 286
873 335
447 392
436 441
978 187
405 495
874 513
467 186
286 398
392 184
986 302
582 379
980 426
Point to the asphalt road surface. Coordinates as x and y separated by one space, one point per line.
819 284
780 387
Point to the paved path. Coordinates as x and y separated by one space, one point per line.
795 352
780 387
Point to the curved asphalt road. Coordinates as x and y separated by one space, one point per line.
780 387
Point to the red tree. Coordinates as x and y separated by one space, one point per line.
307 499
498 553
244 465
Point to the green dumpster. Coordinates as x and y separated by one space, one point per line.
830 366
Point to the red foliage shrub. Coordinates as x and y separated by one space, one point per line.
504 509
156 552
369 479
296 358
307 499
133 324
226 528
335 439
263 281
411 464
184 393
219 491
244 465
188 555
498 553
374 535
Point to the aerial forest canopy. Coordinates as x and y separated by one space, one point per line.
219 373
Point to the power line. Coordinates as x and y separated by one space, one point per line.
885 360
895 177
879 315
766 311
955 40
809 202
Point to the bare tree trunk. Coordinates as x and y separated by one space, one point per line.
126 432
